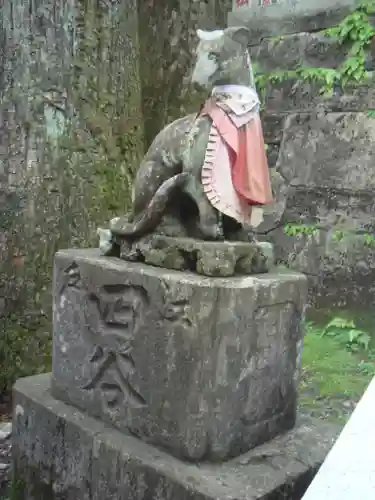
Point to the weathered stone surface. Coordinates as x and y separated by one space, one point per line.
273 126
205 367
109 465
341 274
338 151
209 258
307 50
327 161
285 16
272 154
291 96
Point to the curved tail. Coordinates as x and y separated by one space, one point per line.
151 216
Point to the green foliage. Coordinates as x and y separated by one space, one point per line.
293 229
369 239
333 374
339 235
348 333
16 488
25 347
355 33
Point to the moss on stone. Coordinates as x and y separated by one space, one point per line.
85 141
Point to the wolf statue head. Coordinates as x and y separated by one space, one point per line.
222 58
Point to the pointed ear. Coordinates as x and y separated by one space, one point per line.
209 35
239 34
200 34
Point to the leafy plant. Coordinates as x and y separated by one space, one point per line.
339 235
332 375
293 229
369 239
346 330
367 367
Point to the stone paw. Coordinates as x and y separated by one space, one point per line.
212 231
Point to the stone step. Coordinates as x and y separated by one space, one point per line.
61 452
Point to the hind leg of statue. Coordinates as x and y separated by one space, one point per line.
209 224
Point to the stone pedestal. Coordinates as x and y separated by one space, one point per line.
208 258
203 367
177 368
61 453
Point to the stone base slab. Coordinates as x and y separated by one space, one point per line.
203 367
208 258
61 453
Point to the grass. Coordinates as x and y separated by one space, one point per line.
25 349
335 371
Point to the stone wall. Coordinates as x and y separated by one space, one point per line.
321 151
267 18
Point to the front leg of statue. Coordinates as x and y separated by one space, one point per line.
210 224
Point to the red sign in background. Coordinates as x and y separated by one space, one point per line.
240 3
260 3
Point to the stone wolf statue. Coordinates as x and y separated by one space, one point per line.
205 175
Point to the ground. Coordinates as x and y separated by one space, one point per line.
335 373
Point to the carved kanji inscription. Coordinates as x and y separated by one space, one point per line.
114 314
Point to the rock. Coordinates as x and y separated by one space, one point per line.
337 149
307 50
273 125
209 258
272 154
283 17
327 162
297 95
108 464
203 367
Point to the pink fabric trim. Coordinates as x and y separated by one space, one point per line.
235 173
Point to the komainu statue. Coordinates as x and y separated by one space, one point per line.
205 176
